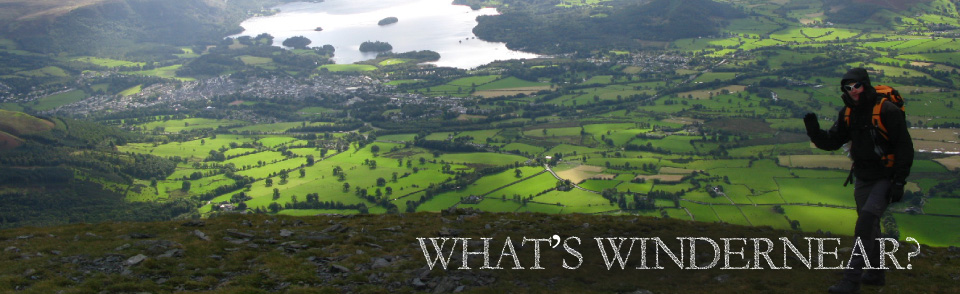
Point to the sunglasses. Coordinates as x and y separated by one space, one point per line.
851 87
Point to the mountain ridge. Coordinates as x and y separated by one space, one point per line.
105 24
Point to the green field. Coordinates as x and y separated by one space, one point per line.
474 81
57 100
812 191
189 124
510 82
944 206
393 61
169 72
835 220
553 132
254 60
347 67
11 106
199 148
928 230
276 127
130 91
523 148
401 82
44 72
107 62
482 158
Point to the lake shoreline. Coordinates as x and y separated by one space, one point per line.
435 25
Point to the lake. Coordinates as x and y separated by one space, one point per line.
435 25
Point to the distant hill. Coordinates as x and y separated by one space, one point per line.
551 29
672 19
26 10
101 27
893 4
863 11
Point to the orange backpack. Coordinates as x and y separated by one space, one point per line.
886 93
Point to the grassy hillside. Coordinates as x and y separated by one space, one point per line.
19 123
68 172
17 10
545 28
8 141
381 253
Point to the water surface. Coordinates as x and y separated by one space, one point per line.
435 25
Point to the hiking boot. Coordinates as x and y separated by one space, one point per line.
873 278
845 286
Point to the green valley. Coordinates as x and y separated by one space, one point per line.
699 125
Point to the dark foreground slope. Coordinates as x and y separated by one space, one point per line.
381 253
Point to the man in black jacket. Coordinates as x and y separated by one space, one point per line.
878 181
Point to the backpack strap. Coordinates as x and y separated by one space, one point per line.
879 122
849 176
846 115
888 159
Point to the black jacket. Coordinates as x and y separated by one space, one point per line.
863 136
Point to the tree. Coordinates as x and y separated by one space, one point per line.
303 173
264 38
778 209
346 187
297 42
276 193
185 187
269 182
375 149
518 173
381 182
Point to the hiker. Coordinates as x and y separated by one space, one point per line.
882 154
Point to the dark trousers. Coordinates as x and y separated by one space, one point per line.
871 197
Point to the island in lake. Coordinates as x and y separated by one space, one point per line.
376 46
318 29
389 20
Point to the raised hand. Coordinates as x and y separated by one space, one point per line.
810 122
